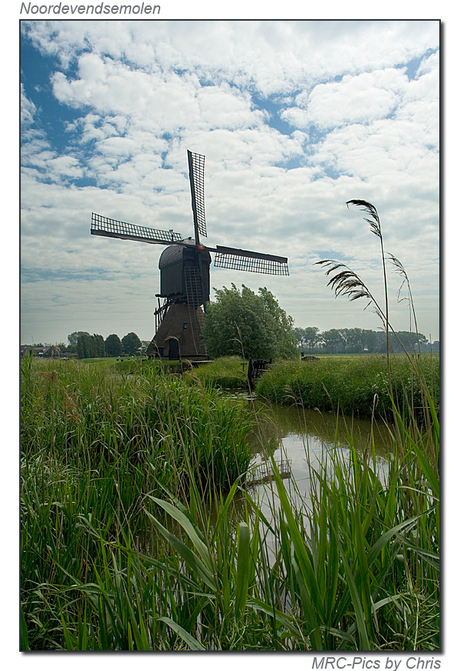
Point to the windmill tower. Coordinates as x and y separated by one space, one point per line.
184 272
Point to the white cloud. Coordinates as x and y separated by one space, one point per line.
28 109
355 99
273 56
362 125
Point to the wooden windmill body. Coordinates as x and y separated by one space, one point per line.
184 272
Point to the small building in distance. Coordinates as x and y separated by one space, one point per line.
45 352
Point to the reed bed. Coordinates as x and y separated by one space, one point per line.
357 568
94 444
121 549
357 385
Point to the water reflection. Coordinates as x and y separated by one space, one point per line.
305 439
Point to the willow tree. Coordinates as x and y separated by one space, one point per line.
248 324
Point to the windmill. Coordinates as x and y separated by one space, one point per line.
184 272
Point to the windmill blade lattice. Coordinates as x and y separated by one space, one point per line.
254 262
112 228
196 174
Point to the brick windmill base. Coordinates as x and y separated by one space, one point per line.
179 334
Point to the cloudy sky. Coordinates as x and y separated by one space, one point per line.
294 117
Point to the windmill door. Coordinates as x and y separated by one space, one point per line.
173 348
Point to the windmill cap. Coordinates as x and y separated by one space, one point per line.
174 254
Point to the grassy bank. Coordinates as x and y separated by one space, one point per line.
229 372
356 384
121 549
94 444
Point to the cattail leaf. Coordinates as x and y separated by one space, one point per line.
196 566
192 643
242 572
189 528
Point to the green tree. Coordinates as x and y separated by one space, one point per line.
333 341
98 345
249 324
370 340
73 340
85 346
410 341
90 346
131 344
113 346
308 338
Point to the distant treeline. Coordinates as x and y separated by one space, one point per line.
87 346
91 346
353 341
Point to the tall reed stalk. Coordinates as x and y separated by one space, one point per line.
345 281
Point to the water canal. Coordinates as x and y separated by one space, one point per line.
302 441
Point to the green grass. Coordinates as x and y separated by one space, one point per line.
124 546
358 569
128 363
356 384
226 372
94 445
102 361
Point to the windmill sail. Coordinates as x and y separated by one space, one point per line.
254 262
196 174
184 272
111 228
